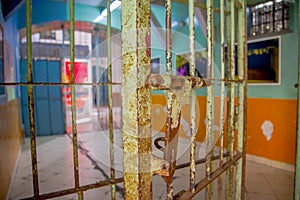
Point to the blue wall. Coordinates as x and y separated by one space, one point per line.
289 51
289 65
44 11
11 65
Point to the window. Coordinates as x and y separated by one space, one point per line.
264 61
269 17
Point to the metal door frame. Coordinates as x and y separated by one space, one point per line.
137 83
136 58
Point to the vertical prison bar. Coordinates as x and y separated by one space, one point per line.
136 99
35 179
73 99
242 104
136 102
193 97
209 96
222 97
110 103
297 169
231 94
168 4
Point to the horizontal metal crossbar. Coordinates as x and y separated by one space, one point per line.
56 84
206 181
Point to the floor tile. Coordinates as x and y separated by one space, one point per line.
55 164
258 196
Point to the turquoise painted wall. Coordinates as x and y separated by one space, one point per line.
90 13
289 65
43 11
289 55
289 51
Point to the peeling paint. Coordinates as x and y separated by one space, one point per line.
267 128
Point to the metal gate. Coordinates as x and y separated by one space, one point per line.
224 160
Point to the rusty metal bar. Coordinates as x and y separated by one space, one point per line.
34 166
222 97
170 96
167 82
73 99
206 181
297 169
210 97
110 103
169 37
193 96
231 75
109 182
136 99
74 190
201 161
242 101
56 84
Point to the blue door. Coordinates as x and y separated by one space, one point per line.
49 116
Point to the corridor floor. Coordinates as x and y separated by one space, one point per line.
55 165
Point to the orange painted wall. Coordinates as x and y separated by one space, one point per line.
281 113
10 142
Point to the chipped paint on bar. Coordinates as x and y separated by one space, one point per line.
136 99
34 166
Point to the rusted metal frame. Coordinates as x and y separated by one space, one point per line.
231 96
108 182
169 136
74 190
206 181
242 101
55 84
297 170
193 96
222 96
171 139
209 97
110 103
167 82
73 99
34 166
136 99
201 161
169 37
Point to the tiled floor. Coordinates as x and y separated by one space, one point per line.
55 164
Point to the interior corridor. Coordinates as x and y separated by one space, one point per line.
56 170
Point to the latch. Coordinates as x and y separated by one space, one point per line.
178 94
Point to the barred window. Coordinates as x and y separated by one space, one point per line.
269 17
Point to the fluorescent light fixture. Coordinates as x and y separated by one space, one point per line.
114 5
99 18
175 23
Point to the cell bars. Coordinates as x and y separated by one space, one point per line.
139 163
137 83
79 189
